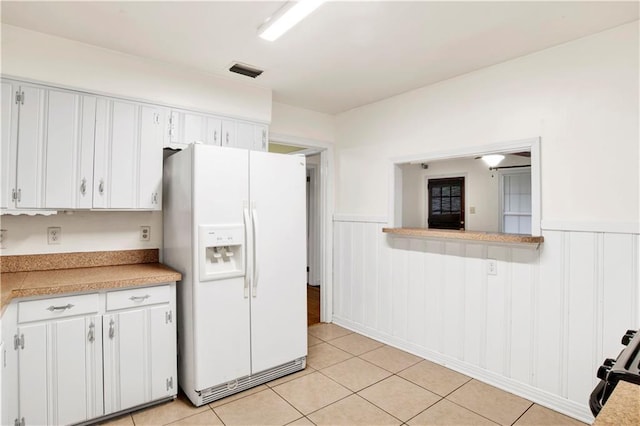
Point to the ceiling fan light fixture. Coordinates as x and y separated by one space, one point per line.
492 160
288 16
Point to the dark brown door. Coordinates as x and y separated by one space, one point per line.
446 203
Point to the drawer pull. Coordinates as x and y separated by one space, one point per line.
112 329
60 308
139 298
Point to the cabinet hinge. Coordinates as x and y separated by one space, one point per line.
18 342
170 383
168 317
17 97
20 422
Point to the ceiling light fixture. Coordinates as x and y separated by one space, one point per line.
492 160
285 18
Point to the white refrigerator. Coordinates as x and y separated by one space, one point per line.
234 226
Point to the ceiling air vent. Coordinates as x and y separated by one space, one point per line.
245 70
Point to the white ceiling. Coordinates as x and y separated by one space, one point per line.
344 55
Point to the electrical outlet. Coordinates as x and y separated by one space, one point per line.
3 238
145 233
492 267
54 235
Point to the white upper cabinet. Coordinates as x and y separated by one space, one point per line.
114 172
128 155
69 150
9 129
244 135
228 133
23 135
187 127
152 123
213 135
260 137
252 136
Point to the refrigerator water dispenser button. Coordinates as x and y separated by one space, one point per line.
222 247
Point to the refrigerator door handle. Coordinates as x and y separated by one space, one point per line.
254 217
247 274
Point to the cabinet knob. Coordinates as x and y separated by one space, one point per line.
101 187
83 186
112 329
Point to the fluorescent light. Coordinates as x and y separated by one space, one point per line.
492 160
286 18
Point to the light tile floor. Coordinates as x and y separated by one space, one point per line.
353 380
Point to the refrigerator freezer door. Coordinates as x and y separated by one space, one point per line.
278 310
220 310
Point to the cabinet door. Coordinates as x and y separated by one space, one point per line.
244 135
69 149
115 157
228 133
162 352
193 128
75 376
29 176
150 158
32 374
139 357
213 135
9 110
260 138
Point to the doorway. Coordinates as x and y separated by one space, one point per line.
314 221
446 203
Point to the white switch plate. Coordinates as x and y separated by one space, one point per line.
54 235
3 236
492 267
145 233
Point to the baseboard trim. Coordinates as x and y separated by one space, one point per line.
562 405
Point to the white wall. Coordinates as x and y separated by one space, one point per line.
81 231
581 98
541 327
482 191
302 123
51 59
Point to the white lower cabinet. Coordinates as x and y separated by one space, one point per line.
60 371
139 357
71 360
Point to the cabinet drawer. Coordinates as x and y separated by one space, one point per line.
59 307
138 297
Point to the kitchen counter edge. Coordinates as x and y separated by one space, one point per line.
51 283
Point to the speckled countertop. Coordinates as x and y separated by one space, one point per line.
83 278
622 407
465 235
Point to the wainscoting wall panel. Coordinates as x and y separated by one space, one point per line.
539 328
